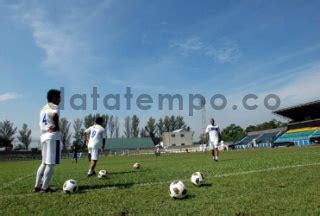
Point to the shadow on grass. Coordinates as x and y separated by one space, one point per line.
206 185
127 172
186 197
85 188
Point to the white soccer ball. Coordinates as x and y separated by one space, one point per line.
136 165
197 178
70 186
177 190
103 174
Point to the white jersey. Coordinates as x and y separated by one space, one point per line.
213 131
46 121
96 136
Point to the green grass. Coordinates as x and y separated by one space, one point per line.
274 185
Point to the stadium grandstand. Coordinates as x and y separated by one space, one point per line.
303 126
263 139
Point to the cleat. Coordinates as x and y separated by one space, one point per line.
36 190
93 173
48 190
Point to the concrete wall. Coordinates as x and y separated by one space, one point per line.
183 138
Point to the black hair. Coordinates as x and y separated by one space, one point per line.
99 120
52 93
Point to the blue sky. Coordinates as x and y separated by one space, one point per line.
205 47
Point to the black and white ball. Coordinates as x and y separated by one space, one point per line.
70 186
197 179
177 190
102 174
136 165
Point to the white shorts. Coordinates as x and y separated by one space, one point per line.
51 151
94 152
213 144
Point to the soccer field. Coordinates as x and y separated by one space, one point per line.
260 182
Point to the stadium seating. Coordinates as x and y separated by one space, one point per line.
299 137
263 139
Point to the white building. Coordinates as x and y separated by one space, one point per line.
177 138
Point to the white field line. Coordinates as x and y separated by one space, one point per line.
4 186
168 182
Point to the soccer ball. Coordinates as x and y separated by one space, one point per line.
102 174
136 165
177 190
70 186
197 178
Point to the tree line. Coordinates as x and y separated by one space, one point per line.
132 128
131 124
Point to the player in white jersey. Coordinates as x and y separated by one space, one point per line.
214 137
50 141
96 141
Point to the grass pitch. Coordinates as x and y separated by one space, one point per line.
281 181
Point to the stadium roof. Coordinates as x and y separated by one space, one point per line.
302 112
129 143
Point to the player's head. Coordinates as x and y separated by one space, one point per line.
99 120
54 96
212 121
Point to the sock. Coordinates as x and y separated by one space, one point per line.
39 176
90 171
48 172
216 157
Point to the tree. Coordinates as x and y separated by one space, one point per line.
151 129
117 127
65 132
135 126
179 123
7 132
111 125
167 124
266 125
25 136
161 127
172 122
232 133
127 127
143 133
89 120
78 133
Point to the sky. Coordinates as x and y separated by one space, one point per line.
155 47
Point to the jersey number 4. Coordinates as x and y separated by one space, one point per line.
44 120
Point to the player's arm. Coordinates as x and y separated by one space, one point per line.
219 136
206 135
103 143
104 135
86 134
55 120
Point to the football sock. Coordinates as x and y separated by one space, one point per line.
40 175
48 172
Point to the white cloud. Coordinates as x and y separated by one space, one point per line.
221 51
8 96
188 45
226 53
66 51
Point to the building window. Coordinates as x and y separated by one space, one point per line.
173 135
181 135
173 144
183 144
